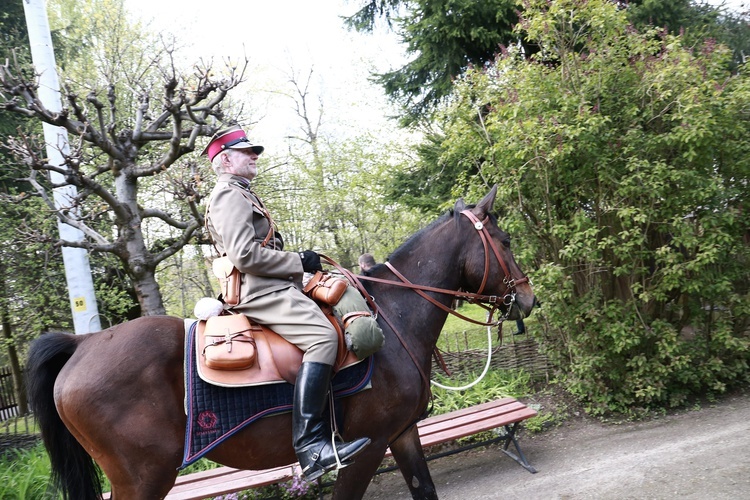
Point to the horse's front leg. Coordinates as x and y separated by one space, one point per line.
352 481
409 456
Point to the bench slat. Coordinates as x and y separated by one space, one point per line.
216 473
507 414
230 482
467 411
469 428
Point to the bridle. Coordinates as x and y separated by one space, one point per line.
489 302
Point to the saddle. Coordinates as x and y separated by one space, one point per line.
252 354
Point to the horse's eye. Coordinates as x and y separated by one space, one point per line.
506 242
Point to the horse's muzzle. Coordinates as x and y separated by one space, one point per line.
521 308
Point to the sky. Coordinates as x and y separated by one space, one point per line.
282 36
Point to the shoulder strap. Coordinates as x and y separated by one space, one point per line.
205 224
258 203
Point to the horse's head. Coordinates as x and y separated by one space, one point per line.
488 265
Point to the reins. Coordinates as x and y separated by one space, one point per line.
354 280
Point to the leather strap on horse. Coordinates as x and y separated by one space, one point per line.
509 282
354 280
440 361
471 297
477 298
421 289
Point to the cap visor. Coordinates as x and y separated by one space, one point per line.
244 145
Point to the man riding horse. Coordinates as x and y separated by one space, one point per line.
242 229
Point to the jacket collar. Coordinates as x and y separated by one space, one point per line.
236 180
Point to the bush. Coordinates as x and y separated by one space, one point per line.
627 158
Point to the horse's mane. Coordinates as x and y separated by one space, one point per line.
406 246
416 237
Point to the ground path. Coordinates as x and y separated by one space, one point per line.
692 454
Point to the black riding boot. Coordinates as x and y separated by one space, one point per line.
311 432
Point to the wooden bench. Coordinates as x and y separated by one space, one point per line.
504 413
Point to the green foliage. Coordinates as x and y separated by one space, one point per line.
454 324
446 37
338 206
625 157
695 21
101 49
201 465
24 426
496 384
443 53
543 421
366 17
24 474
459 335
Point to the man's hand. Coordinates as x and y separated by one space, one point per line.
310 261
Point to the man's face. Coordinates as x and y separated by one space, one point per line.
241 162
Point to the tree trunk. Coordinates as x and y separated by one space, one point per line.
149 295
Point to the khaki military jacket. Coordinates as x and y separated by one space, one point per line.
238 226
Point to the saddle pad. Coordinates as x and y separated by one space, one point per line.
215 413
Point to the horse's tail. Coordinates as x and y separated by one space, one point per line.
74 472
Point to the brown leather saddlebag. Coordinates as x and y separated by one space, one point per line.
325 288
229 343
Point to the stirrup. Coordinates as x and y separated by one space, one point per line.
318 469
339 463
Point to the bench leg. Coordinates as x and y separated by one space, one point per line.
510 436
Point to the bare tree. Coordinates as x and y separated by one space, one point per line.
114 158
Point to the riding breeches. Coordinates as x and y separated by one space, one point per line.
298 319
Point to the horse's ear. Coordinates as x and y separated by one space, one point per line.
460 206
484 207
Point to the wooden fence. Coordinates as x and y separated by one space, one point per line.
516 352
8 404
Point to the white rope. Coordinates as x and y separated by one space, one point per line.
486 367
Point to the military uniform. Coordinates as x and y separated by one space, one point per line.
270 293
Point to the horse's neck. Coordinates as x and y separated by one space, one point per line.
432 259
428 263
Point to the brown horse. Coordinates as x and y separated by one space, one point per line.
117 395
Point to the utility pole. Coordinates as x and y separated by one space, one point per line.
77 268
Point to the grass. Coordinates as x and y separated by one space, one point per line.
24 474
496 384
19 425
199 466
459 335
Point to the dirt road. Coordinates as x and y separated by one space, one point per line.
693 454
